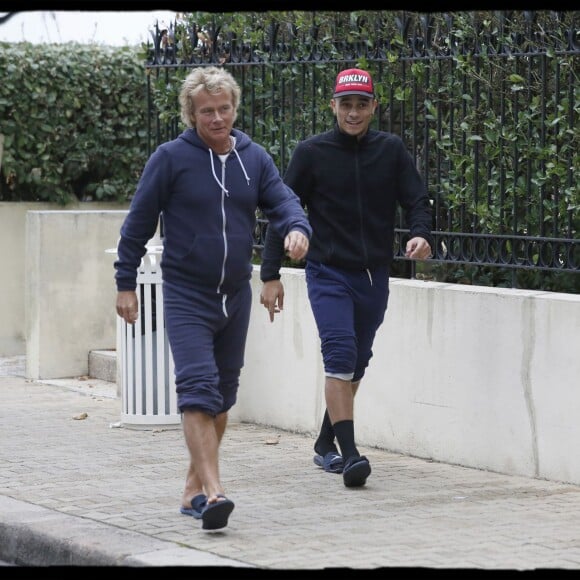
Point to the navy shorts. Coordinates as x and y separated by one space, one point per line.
348 306
207 334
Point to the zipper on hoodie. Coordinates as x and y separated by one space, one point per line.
224 193
359 200
223 206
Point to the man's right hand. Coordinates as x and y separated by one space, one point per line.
128 306
272 297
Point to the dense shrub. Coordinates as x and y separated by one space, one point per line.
487 103
72 122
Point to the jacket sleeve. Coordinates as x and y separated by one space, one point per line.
272 255
141 222
273 252
414 198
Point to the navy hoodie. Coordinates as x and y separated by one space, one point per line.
209 212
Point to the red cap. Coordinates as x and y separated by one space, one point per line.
353 81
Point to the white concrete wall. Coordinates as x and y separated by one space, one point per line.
12 267
69 289
478 380
482 377
12 254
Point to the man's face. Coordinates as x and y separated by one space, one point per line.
353 113
214 118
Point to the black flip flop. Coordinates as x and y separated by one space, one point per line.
215 515
356 471
198 502
331 462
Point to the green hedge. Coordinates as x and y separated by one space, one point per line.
72 122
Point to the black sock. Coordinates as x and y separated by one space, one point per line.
325 442
344 431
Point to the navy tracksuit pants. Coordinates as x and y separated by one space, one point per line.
207 334
348 306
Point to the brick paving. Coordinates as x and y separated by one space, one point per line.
92 491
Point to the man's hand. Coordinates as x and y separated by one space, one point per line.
272 297
418 249
296 245
128 306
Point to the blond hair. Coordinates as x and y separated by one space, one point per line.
211 79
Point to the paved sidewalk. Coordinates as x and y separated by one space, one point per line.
86 492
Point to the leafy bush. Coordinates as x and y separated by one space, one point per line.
73 122
487 103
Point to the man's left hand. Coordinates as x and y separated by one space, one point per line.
296 245
418 249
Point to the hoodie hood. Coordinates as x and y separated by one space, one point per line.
239 141
191 137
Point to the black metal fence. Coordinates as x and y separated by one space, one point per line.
491 117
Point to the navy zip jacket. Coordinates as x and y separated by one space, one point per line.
350 189
209 212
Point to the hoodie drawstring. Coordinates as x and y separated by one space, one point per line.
222 186
241 165
370 276
235 151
